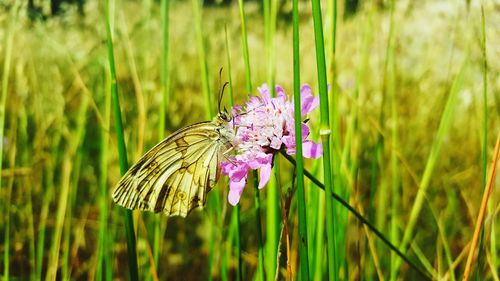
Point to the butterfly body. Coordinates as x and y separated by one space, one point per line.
175 176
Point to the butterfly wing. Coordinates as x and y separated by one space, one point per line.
175 176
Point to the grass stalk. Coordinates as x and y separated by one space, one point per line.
273 230
164 80
301 201
79 138
74 141
104 267
260 268
3 100
49 183
9 43
325 133
202 59
8 201
362 219
122 152
443 129
244 44
214 207
236 209
482 209
484 138
390 89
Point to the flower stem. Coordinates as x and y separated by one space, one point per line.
122 152
236 209
260 268
325 138
301 201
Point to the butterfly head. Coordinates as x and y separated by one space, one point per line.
224 115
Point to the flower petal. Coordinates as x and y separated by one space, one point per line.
311 149
235 190
264 92
307 102
305 131
265 175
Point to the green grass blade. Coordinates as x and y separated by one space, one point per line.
258 224
362 219
104 268
325 133
159 221
6 73
443 129
248 84
273 196
301 201
236 210
244 44
390 89
3 99
122 152
200 41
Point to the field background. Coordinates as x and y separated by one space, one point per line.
417 101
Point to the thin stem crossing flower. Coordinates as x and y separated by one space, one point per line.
263 127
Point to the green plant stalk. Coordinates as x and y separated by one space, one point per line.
433 157
3 100
239 271
75 175
361 218
26 160
236 209
325 132
260 268
12 163
214 200
301 201
270 14
484 149
47 198
164 80
446 246
244 44
5 77
320 236
202 58
273 206
104 268
122 152
74 140
390 82
248 84
493 237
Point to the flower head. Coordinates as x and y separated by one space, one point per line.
263 127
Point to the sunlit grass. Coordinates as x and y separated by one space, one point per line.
412 119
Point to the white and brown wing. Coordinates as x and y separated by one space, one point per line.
175 176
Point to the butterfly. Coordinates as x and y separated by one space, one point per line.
175 176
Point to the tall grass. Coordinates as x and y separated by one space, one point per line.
303 241
325 132
104 268
270 9
443 129
122 152
3 99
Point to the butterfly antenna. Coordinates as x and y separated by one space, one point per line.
221 90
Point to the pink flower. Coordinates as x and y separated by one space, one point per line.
263 127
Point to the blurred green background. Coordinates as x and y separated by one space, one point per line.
392 81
